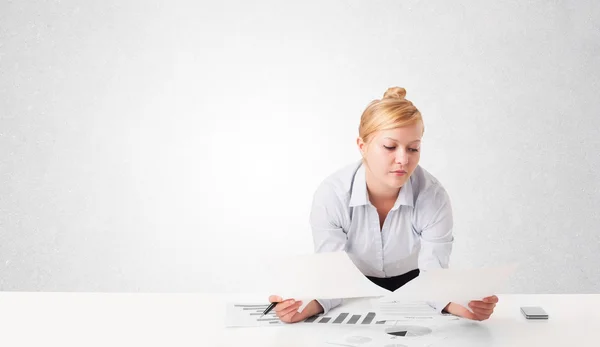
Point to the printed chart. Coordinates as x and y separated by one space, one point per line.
250 315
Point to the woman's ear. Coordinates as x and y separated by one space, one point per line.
361 146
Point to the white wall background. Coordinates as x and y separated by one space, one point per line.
147 146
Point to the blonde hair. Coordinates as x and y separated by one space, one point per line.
393 111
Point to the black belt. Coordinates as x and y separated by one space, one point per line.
393 283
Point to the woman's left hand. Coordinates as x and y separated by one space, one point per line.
482 309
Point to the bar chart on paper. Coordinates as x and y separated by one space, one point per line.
250 315
347 318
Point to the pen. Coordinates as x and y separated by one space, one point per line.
273 304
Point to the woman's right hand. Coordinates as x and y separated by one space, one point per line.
287 310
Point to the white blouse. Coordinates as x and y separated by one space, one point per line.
417 232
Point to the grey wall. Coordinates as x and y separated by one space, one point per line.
151 146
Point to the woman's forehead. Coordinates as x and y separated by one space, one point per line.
408 134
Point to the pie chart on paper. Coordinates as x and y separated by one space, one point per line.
408 330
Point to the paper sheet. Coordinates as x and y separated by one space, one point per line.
454 285
411 334
330 275
402 335
414 310
249 315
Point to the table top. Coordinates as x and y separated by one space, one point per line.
197 319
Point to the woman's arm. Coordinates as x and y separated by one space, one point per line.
328 236
325 222
436 246
434 218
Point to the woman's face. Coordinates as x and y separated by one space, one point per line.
392 155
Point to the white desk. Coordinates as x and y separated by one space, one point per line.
106 319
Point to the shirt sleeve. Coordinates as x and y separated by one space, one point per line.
327 232
435 217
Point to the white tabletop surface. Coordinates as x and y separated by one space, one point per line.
135 319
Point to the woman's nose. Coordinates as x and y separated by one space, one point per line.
401 157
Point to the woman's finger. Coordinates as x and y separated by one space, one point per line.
290 317
491 299
482 309
481 304
275 298
284 305
291 309
282 311
482 312
461 311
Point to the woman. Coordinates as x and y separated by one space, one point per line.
390 215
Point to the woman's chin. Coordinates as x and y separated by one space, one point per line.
396 182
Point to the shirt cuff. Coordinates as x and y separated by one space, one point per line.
328 304
438 305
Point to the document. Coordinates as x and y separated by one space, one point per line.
330 275
405 335
407 311
358 312
250 315
454 285
416 334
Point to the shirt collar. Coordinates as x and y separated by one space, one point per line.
360 197
406 195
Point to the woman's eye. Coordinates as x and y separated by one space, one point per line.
389 148
413 149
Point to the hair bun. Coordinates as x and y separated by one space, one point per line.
394 93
